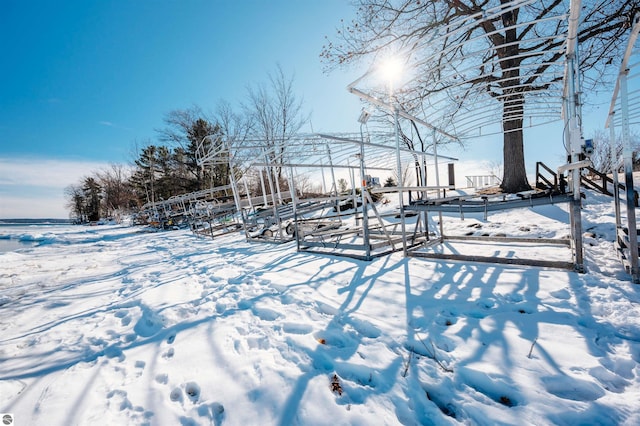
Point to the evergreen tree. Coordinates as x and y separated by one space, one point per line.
196 137
92 196
143 179
390 182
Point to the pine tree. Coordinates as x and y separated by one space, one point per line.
92 196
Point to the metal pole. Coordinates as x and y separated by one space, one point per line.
273 195
423 182
353 186
614 171
435 153
575 147
363 189
333 175
324 185
292 191
628 178
236 193
400 183
264 189
246 189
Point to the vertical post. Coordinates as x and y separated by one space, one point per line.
452 176
363 189
575 147
435 156
324 185
614 170
353 188
400 182
246 189
423 182
628 178
294 199
235 190
333 175
264 189
273 195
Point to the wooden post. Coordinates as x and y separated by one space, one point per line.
452 176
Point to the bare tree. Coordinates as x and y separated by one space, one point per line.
602 144
75 199
118 194
235 128
520 46
305 185
276 114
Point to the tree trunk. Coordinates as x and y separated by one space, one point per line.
515 175
514 178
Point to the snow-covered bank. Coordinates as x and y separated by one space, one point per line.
107 325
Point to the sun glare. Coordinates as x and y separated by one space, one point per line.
391 69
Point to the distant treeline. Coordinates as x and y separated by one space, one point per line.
23 221
170 166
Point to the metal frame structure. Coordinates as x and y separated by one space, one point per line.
337 223
480 114
367 232
211 203
371 234
624 112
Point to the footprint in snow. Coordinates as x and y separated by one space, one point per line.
214 411
176 395
296 328
365 328
191 390
265 314
168 354
163 379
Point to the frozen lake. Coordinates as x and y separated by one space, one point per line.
11 245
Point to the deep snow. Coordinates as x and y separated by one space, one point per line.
110 325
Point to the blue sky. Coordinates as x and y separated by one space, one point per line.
83 81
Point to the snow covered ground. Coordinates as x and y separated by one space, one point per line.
110 325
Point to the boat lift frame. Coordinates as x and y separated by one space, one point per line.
563 102
624 111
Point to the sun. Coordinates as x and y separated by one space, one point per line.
390 69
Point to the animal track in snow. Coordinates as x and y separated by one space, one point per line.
168 354
265 314
192 389
176 395
214 411
163 379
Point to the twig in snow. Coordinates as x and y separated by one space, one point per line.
433 354
406 366
532 345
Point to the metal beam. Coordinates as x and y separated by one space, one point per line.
623 66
